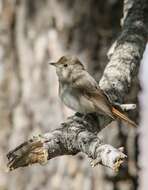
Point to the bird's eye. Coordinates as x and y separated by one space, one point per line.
65 65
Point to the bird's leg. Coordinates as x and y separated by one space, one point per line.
79 114
83 116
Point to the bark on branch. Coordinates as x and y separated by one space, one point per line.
126 53
79 132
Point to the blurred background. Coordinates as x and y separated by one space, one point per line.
33 32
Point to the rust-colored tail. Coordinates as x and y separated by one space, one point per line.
120 115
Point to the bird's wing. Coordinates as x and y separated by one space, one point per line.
90 89
85 81
87 85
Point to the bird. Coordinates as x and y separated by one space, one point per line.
79 90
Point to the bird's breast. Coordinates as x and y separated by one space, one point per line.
76 101
69 98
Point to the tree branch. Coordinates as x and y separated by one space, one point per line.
126 53
75 135
79 132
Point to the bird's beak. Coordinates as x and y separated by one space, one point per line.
52 63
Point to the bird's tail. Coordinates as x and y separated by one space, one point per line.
120 115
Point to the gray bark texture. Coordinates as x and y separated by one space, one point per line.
30 33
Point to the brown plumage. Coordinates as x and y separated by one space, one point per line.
123 117
79 90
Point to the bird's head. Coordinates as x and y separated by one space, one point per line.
67 66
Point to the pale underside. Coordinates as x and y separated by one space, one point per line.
82 103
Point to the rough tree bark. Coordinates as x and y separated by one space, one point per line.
115 90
